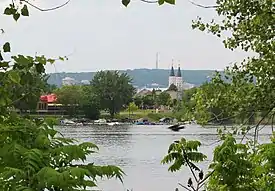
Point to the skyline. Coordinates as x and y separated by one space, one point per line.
102 35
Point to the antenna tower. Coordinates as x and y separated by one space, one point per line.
157 60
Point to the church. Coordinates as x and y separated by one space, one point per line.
176 79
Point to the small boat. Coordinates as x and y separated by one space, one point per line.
113 123
176 127
67 122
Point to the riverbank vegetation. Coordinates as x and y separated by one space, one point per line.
243 91
33 156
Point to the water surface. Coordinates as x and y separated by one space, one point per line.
138 150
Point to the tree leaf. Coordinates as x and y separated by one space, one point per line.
171 1
16 16
25 11
40 68
7 47
61 58
8 11
4 64
126 2
1 57
2 101
51 61
160 2
14 76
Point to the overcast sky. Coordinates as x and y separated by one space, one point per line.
102 34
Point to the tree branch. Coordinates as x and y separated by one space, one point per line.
147 1
49 9
201 183
184 187
204 6
257 126
272 121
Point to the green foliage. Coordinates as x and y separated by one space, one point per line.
172 87
114 90
79 100
185 108
71 97
148 101
138 101
33 157
163 98
249 86
132 107
183 153
240 92
238 167
90 103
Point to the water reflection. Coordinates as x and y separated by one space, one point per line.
138 150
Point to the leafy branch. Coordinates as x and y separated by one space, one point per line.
185 153
47 9
203 6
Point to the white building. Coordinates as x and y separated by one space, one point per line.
176 79
85 82
67 81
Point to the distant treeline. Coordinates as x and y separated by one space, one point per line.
141 77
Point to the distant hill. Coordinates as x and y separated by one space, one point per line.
141 77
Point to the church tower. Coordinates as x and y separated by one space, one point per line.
172 77
179 82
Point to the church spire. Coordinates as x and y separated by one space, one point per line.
179 72
172 73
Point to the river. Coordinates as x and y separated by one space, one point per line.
138 150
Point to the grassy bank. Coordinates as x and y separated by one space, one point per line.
148 114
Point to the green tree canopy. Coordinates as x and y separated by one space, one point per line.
33 156
132 107
172 87
70 97
26 96
138 101
148 101
164 99
114 90
90 103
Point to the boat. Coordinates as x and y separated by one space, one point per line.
67 122
113 123
176 127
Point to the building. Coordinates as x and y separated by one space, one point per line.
85 82
143 92
67 81
48 104
176 79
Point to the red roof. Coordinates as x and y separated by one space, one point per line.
51 98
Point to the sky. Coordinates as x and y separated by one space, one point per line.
102 34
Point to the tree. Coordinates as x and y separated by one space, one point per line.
70 97
172 87
90 103
132 108
163 98
148 101
32 156
114 90
26 96
138 101
242 90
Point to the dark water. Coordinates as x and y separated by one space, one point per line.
138 150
